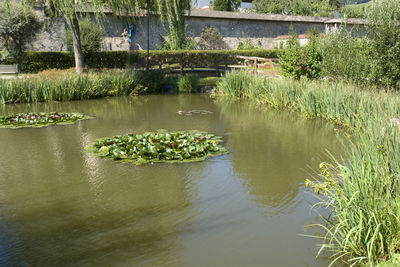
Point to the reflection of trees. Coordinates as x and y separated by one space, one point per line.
274 150
70 208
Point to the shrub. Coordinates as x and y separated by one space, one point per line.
211 39
152 81
384 32
355 11
225 5
91 36
345 56
298 61
18 24
322 8
188 84
248 45
37 61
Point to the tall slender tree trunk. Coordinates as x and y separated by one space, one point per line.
76 38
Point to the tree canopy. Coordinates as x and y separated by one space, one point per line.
297 7
18 24
225 5
170 11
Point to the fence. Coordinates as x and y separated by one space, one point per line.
206 64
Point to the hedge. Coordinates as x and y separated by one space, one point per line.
37 61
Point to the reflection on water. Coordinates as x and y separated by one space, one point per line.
61 206
277 147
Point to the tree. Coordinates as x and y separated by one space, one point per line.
226 5
91 36
72 10
18 25
211 39
172 12
297 7
384 32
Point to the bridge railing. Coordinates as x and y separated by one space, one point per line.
209 64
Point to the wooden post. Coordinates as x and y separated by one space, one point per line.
181 63
148 35
272 67
255 65
217 65
148 63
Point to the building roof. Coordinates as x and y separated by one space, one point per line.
206 13
271 17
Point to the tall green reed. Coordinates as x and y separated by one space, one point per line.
362 190
71 87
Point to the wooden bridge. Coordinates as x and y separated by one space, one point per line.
210 64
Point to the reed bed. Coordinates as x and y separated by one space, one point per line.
362 190
68 87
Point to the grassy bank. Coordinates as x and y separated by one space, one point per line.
363 191
66 85
70 86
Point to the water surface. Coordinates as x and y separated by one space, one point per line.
60 206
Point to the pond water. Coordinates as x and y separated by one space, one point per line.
61 206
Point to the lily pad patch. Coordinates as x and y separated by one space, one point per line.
40 119
159 146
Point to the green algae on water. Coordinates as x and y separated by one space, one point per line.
40 119
159 146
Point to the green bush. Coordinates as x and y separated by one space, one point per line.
345 56
188 84
355 11
225 5
373 60
297 61
248 45
37 61
384 33
34 62
322 8
18 25
91 36
152 81
210 38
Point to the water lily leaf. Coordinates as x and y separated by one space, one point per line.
104 151
40 119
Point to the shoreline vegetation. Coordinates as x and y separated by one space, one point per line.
361 190
65 85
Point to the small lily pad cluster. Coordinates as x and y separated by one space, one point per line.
39 119
160 146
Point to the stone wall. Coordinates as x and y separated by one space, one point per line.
261 29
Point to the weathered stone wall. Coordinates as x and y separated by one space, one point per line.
261 29
51 37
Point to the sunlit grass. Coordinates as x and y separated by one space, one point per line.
68 86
